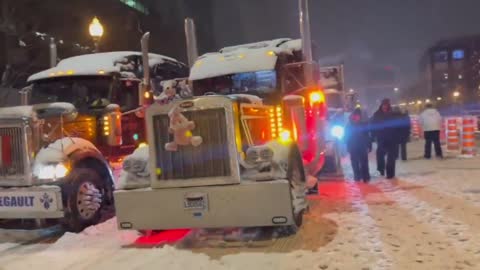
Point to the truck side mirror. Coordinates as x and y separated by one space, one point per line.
112 125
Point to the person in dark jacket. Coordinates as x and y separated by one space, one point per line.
404 130
359 144
385 126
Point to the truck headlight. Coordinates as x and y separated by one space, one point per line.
259 154
52 171
337 132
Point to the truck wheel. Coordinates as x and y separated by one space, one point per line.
84 199
297 179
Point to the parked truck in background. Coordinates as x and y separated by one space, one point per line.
76 119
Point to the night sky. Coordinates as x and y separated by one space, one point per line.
380 32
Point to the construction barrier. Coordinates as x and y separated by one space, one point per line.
468 135
453 138
416 129
443 133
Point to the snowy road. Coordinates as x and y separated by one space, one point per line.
427 219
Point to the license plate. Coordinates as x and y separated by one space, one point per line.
196 201
42 201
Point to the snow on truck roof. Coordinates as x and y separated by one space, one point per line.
94 64
243 58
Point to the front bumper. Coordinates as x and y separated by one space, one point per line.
248 204
31 202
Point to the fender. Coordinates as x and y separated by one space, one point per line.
78 151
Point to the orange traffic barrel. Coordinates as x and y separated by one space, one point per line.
453 140
468 135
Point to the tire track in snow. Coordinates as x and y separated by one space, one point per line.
365 230
457 233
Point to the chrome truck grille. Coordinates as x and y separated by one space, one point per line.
209 159
12 150
212 162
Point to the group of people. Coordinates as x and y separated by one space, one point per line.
390 129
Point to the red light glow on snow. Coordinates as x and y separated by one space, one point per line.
162 237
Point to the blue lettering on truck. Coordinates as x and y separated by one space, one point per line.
16 201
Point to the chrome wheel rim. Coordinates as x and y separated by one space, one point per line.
89 200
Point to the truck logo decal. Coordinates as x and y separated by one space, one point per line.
16 201
186 104
46 201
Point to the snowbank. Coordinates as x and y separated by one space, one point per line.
91 64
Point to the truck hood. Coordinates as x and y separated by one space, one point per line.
31 111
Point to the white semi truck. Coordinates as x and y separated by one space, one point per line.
237 153
77 118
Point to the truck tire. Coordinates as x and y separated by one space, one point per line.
83 199
297 179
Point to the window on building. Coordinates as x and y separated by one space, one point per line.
458 54
440 60
440 56
135 4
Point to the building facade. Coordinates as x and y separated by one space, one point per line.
452 70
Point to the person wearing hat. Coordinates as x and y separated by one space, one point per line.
359 144
384 126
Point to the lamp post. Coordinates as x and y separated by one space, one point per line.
96 31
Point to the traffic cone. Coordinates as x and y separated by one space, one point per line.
453 143
468 136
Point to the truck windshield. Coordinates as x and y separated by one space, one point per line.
259 83
87 92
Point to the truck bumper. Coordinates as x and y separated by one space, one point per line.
31 202
249 204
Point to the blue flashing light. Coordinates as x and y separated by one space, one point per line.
338 132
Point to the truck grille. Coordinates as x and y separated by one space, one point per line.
11 150
209 159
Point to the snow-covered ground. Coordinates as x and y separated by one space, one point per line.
427 219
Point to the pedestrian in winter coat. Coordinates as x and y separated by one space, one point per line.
431 122
385 126
359 144
403 132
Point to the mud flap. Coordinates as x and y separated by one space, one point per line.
333 166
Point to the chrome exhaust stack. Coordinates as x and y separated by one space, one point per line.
53 52
191 38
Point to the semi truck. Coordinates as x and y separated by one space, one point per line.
239 151
76 119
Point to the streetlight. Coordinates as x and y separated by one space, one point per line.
439 98
395 89
427 100
419 102
456 94
96 31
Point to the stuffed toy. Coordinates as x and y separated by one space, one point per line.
181 128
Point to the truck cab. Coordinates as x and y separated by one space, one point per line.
76 119
251 127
